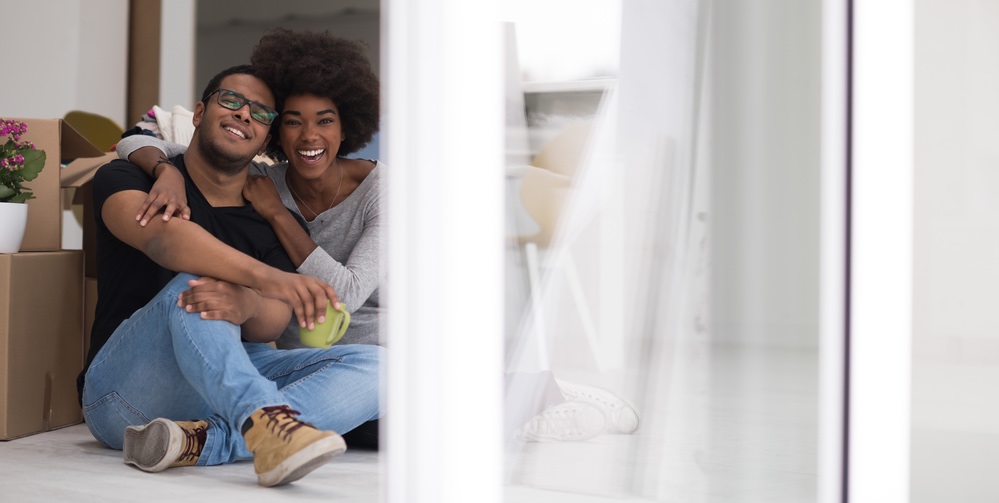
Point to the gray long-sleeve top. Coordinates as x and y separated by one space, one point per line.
348 236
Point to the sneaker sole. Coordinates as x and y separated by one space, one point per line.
524 437
303 462
153 446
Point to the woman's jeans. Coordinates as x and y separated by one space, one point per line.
166 362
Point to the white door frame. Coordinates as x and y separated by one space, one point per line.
880 223
444 147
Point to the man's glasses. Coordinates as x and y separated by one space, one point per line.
234 101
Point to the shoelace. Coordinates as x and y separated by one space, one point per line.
193 442
281 420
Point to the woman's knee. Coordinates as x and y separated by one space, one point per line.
365 355
366 360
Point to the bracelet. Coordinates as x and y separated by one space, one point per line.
163 160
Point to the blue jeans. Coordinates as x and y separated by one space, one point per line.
166 362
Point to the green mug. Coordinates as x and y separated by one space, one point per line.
327 333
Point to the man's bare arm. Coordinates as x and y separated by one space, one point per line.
180 245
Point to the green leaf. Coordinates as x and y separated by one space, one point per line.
5 192
34 161
22 197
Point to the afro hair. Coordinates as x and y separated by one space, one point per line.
320 64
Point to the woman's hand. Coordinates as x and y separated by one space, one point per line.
263 195
169 191
305 294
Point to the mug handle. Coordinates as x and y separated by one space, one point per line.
336 334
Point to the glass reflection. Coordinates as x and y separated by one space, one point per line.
662 203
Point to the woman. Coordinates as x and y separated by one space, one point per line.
328 98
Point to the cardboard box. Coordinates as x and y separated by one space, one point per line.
40 353
61 144
78 176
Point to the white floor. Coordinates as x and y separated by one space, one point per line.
736 426
69 465
955 426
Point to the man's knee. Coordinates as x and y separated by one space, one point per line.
179 282
175 287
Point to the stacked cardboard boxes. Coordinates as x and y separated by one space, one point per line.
43 304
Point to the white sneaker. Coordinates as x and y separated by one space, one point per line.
622 417
565 422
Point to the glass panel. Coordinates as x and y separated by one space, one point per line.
663 248
662 240
955 424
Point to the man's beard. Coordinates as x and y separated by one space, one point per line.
220 160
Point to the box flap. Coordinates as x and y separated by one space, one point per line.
74 145
81 171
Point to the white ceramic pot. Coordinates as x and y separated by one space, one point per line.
13 217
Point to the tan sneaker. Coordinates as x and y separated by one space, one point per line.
286 449
163 444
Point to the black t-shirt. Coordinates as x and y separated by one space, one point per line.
127 279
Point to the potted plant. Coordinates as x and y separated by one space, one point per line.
20 162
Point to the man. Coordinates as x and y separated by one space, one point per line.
178 372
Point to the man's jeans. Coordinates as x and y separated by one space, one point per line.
166 362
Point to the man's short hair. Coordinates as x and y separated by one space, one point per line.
216 81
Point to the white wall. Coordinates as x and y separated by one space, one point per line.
71 55
957 179
75 52
956 231
177 54
955 347
765 172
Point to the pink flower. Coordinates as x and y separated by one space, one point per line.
14 167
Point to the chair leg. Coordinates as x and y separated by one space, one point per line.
537 304
583 306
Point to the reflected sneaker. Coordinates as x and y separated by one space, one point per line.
565 422
163 444
286 449
622 417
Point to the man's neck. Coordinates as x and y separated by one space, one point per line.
219 188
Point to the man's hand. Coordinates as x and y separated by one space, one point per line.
219 300
305 294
